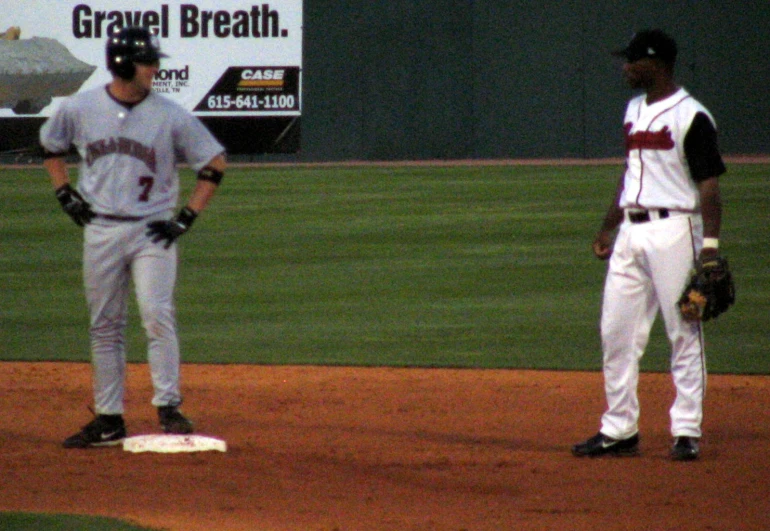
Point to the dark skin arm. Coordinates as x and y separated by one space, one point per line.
602 244
711 210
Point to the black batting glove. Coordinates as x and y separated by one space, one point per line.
171 229
74 205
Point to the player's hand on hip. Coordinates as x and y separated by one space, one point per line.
170 230
74 205
602 245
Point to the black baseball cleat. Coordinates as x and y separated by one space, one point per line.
685 449
104 430
172 421
600 445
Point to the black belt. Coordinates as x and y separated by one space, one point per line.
644 215
111 217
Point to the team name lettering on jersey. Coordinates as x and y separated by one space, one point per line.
658 140
120 146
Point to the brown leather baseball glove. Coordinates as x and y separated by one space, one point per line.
709 292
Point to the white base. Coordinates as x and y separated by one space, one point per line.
172 444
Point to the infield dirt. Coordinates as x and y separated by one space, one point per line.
349 449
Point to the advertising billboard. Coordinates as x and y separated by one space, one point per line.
236 65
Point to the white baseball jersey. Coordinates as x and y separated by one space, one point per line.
657 171
128 157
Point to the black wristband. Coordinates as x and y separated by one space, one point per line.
51 155
64 193
210 174
186 216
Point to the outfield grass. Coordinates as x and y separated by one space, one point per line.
479 266
62 522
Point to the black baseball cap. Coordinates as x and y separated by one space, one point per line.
652 43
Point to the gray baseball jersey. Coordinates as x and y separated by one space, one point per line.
128 156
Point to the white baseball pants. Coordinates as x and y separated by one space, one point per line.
648 269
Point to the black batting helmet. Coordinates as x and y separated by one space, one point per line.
131 45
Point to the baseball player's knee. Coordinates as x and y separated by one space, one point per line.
158 322
157 330
107 333
614 334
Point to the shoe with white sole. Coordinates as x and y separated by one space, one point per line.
104 430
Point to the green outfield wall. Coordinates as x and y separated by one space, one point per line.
499 79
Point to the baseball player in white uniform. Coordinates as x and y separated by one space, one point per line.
128 139
667 212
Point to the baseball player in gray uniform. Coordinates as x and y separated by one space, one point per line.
667 212
129 140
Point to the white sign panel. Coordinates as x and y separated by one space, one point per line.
226 57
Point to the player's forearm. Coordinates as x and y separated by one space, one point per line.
711 207
208 182
612 219
57 171
614 213
201 196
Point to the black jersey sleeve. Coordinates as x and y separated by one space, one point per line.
701 149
